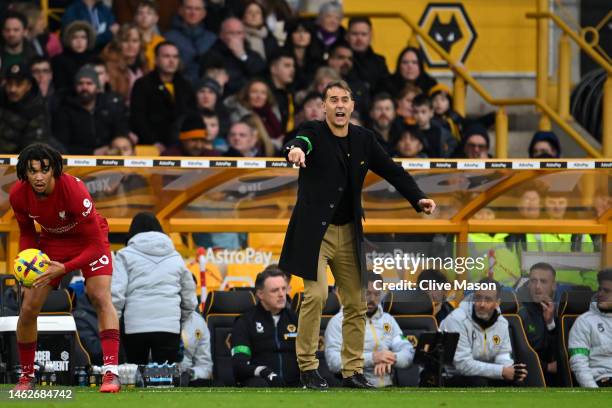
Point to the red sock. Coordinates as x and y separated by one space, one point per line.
26 357
110 346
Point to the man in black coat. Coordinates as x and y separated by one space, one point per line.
325 227
160 98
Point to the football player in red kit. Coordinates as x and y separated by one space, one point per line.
74 236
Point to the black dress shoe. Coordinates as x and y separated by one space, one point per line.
311 379
357 380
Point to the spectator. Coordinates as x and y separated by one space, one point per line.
475 143
483 356
410 70
442 308
263 338
256 97
329 26
45 43
282 74
544 145
591 337
88 120
121 145
197 356
97 14
410 144
125 60
341 60
306 51
368 66
439 142
159 98
23 114
208 97
444 114
324 76
240 62
385 347
146 18
15 47
403 101
311 109
40 67
192 138
213 139
153 291
383 121
190 35
259 38
213 67
538 315
79 39
246 141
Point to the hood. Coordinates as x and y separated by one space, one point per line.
152 243
178 24
546 136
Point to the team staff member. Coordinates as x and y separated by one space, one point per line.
325 228
74 236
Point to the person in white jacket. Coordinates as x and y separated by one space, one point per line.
385 346
484 352
590 339
197 358
153 290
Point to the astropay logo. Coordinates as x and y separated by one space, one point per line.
247 256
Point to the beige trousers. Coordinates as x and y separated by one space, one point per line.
337 251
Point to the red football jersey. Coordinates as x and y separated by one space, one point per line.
69 222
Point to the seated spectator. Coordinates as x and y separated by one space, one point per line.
88 120
46 44
475 143
324 76
125 60
146 19
197 356
121 145
410 70
383 121
244 141
214 68
410 144
403 101
24 118
153 291
368 66
544 145
439 142
95 13
257 98
208 98
442 308
590 339
484 352
306 51
385 347
40 67
15 48
263 338
192 138
159 98
257 35
240 62
282 74
341 60
328 28
311 109
538 315
79 39
214 140
442 103
190 35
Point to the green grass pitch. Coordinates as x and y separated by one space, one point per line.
336 398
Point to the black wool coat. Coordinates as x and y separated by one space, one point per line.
320 187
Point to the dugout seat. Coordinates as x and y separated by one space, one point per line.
573 304
413 311
521 349
220 311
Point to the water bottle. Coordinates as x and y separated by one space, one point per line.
98 375
44 377
92 377
51 376
81 376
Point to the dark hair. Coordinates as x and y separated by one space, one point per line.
544 266
338 84
422 100
371 277
382 96
96 61
360 19
604 275
152 4
209 113
309 97
16 15
39 152
143 222
38 60
489 281
269 272
275 267
163 44
337 45
432 275
278 55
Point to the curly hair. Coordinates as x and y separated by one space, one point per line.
39 152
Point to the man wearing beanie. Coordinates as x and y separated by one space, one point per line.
193 141
476 142
88 120
544 145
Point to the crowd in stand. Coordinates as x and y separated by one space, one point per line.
226 78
